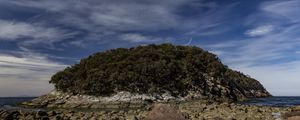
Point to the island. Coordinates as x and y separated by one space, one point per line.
154 82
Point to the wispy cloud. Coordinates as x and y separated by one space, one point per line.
284 9
259 31
28 60
117 17
142 38
27 34
263 40
90 25
26 73
279 79
272 57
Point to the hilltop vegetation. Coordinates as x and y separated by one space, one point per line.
154 69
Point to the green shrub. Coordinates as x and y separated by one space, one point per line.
149 69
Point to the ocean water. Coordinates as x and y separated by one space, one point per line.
13 100
274 101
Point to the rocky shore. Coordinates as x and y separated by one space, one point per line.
58 99
126 106
192 110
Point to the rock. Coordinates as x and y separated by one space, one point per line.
294 118
58 118
42 113
45 118
164 112
13 115
276 115
51 113
1 111
297 108
29 117
191 110
186 115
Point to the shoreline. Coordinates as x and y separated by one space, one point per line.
126 106
192 110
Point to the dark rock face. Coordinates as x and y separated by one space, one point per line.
179 71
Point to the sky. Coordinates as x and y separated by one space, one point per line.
40 37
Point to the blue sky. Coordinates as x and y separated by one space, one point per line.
38 38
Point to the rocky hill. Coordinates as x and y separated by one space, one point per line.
185 72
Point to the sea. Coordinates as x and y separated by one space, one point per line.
278 101
12 101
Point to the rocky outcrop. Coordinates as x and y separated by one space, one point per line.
156 70
138 76
123 99
72 115
126 83
193 110
58 99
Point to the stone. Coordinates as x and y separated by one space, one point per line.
52 113
1 111
164 112
13 115
297 108
42 113
294 118
45 118
58 118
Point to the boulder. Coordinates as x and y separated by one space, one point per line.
165 112
297 108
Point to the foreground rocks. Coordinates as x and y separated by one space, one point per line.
192 110
294 114
126 106
71 115
57 99
226 111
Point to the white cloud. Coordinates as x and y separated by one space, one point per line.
26 75
287 9
269 59
268 48
111 15
280 79
297 52
133 15
134 37
259 31
14 30
105 21
28 34
273 57
212 22
141 38
218 52
223 45
29 60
